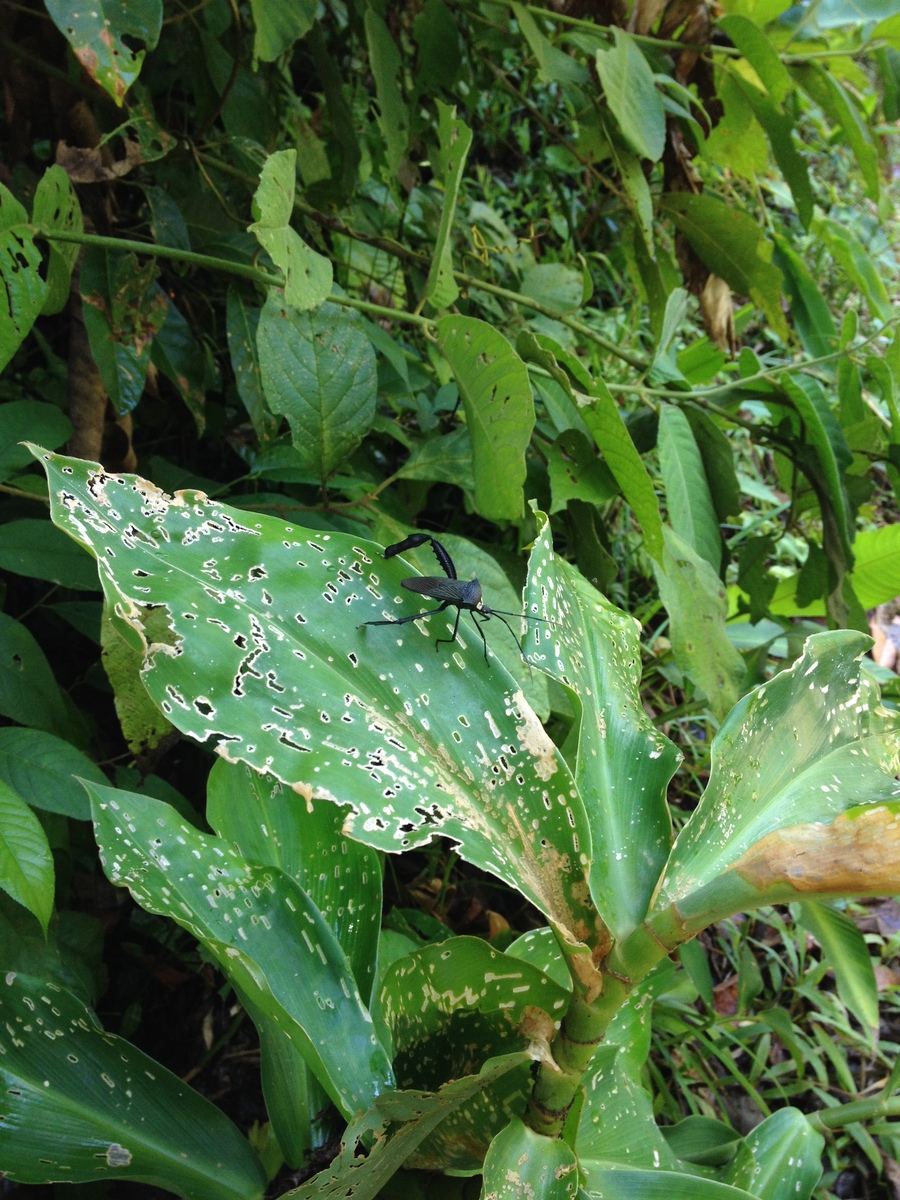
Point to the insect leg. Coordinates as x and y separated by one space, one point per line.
481 633
450 640
406 620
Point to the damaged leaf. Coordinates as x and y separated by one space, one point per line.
266 660
802 800
24 293
97 31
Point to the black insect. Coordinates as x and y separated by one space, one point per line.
452 592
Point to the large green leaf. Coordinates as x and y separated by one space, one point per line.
26 864
785 1161
277 24
307 275
342 877
266 933
697 604
616 1124
81 1105
266 659
97 32
44 770
798 803
521 1163
604 420
318 370
691 510
455 141
387 71
631 93
24 292
497 397
730 242
624 763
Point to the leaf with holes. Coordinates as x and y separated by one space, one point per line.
449 1006
97 31
56 207
392 1130
81 1105
307 275
269 938
624 763
24 293
265 658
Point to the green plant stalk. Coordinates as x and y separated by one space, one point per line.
586 1021
582 1030
242 270
857 1110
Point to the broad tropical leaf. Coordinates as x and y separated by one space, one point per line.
802 800
497 397
269 938
624 763
266 658
318 370
82 1105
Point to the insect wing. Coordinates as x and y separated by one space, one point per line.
435 586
